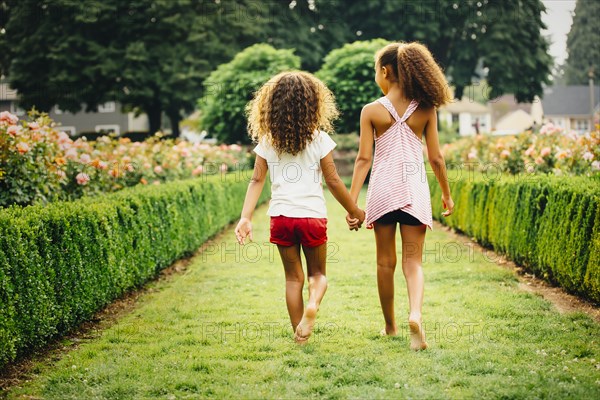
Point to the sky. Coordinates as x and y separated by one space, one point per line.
558 19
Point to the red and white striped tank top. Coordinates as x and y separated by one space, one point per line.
398 177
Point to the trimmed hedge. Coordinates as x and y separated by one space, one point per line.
61 263
548 224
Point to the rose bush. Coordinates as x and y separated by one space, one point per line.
551 150
39 163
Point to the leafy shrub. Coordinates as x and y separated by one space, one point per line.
39 164
350 73
548 224
61 263
231 86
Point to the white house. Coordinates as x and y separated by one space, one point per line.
569 106
468 114
108 118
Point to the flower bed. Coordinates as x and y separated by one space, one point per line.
39 163
548 151
62 262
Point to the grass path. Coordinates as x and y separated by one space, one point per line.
221 330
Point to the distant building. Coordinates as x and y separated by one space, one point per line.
510 117
469 115
569 106
108 118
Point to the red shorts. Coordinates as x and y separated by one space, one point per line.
288 231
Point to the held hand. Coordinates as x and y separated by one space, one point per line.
243 230
353 223
448 205
355 219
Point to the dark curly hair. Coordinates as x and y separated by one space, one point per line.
288 109
419 76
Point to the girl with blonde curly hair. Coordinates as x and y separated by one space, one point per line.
413 86
288 119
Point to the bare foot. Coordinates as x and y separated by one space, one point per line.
417 335
389 332
305 327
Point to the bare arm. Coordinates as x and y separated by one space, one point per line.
364 159
437 162
255 187
338 189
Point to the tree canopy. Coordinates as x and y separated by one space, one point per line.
231 86
500 41
583 43
150 55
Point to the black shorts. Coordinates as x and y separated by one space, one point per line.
398 216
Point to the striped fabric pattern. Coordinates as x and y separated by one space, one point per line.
398 177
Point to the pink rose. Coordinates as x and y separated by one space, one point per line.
85 158
198 170
13 130
71 154
82 179
34 126
158 169
61 174
185 153
539 160
588 156
235 147
8 118
505 154
63 137
102 165
529 151
224 167
596 165
545 151
22 147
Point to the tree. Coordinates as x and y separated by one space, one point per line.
349 72
496 40
302 26
231 86
150 55
583 43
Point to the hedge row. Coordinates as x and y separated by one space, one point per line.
548 224
61 263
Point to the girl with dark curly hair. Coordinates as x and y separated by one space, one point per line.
413 86
288 118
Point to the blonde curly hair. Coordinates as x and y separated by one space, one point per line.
419 76
288 109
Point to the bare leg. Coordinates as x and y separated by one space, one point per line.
294 282
385 238
316 258
413 238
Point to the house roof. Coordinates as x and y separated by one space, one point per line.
569 100
518 120
465 105
505 105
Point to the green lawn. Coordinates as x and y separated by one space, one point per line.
221 330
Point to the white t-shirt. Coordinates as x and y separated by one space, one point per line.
296 181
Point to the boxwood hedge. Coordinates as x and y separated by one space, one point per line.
548 224
61 263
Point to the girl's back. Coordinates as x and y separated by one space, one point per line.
296 185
